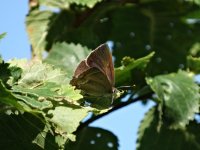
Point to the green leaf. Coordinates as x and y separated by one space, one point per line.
179 96
195 1
37 28
67 119
41 83
46 140
2 35
124 74
165 138
70 93
6 97
45 28
35 102
18 131
193 63
46 90
65 4
158 28
95 139
67 56
5 73
9 74
37 73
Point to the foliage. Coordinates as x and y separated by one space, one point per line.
155 46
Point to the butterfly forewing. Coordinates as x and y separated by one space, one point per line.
81 68
95 76
101 58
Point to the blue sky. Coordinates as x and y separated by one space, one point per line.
123 123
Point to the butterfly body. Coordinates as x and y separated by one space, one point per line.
94 76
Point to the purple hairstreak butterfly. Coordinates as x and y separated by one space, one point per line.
94 76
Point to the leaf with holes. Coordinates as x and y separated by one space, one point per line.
37 73
40 84
94 138
165 138
179 96
18 131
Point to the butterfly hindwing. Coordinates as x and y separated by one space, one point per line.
93 82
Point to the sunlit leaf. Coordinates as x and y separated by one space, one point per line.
44 28
67 56
37 27
35 102
124 73
67 119
63 4
36 74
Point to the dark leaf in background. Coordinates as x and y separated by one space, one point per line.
18 131
153 135
93 138
178 95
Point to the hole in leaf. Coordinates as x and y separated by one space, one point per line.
102 20
92 142
181 66
158 59
132 34
98 135
110 144
147 47
87 104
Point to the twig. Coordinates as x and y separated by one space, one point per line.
121 105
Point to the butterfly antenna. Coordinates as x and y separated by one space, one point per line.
128 87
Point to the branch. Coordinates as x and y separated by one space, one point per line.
121 105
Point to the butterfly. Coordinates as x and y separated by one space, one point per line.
94 76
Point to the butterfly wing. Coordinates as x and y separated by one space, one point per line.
95 76
95 87
82 67
92 82
101 58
